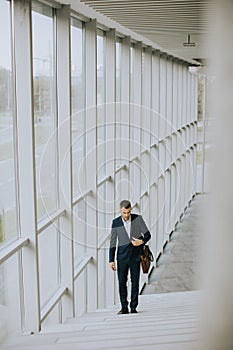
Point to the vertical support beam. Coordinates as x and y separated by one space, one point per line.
146 129
135 121
146 98
65 161
173 197
163 95
155 96
110 148
135 117
175 96
91 161
169 96
179 97
26 161
204 134
125 100
184 95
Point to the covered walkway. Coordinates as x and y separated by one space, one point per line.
165 321
91 113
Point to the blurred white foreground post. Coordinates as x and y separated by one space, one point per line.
217 327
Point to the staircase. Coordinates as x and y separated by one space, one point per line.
163 322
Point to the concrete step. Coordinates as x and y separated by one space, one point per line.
163 322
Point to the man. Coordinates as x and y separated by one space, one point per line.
131 233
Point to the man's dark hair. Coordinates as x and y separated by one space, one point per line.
125 204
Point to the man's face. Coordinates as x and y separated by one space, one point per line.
125 213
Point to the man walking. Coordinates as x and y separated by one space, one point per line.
128 235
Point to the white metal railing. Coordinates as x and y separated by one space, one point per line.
134 205
52 218
102 181
12 248
82 266
144 194
154 145
102 241
122 167
80 196
134 159
145 151
52 303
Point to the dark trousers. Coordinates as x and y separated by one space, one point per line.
132 265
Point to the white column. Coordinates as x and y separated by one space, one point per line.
163 95
135 122
110 149
175 96
169 107
26 162
160 204
173 197
184 96
146 129
125 70
91 159
179 95
155 96
64 151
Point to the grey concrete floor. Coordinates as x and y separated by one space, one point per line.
177 269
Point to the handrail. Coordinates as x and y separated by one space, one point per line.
153 184
134 159
122 167
82 266
52 218
144 194
104 239
106 178
136 204
52 303
13 248
145 151
81 196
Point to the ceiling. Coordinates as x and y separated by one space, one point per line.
168 23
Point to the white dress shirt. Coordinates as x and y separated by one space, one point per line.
127 225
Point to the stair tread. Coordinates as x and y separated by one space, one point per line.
163 322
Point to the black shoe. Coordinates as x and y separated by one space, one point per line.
123 311
134 311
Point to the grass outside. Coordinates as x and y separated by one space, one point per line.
8 225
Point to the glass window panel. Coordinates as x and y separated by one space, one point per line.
80 294
48 263
78 114
102 210
10 286
102 278
80 239
8 213
45 121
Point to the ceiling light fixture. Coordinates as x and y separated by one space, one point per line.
188 43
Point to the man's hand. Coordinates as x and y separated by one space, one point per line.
136 242
112 266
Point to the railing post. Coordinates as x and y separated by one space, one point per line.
65 164
26 162
91 165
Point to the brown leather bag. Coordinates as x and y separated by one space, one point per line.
146 258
